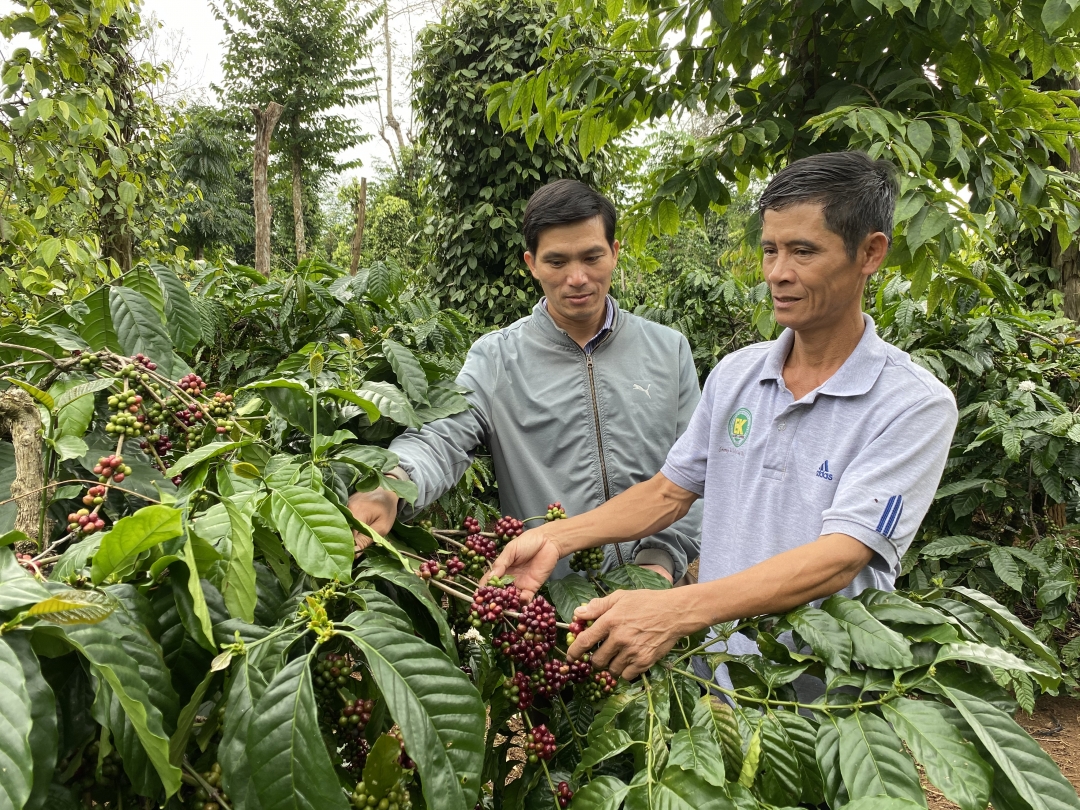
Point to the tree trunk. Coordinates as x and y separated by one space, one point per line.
298 206
265 121
19 420
358 236
391 119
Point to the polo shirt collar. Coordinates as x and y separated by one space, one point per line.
855 377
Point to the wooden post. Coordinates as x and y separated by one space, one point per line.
358 236
265 121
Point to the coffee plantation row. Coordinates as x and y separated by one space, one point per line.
183 623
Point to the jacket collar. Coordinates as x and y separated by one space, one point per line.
543 320
855 377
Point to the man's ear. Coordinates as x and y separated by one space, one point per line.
874 250
530 261
615 249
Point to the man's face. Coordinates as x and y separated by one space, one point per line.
813 282
573 264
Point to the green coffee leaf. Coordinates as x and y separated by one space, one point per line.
139 328
16 756
872 761
410 375
313 531
134 534
75 607
181 317
873 643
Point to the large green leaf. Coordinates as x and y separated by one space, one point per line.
369 407
142 281
115 665
827 754
74 607
290 768
239 586
1010 623
410 375
779 778
952 764
17 587
181 318
695 749
825 635
604 747
802 735
718 717
634 577
391 402
313 531
133 535
200 454
995 657
570 593
186 576
16 757
44 734
439 711
97 326
873 643
1029 770
442 403
139 328
246 688
382 569
686 790
872 760
602 793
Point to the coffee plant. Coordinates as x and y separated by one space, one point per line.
183 623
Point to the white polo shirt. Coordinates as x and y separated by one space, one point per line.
861 455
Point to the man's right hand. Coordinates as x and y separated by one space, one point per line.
529 559
378 509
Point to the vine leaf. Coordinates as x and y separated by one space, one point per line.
181 317
439 711
16 758
952 764
75 607
290 768
873 643
132 535
139 328
1017 757
313 531
872 762
410 375
824 634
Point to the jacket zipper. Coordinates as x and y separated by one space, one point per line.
600 442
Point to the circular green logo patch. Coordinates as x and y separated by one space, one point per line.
738 426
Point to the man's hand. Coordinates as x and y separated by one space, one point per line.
637 629
529 559
378 509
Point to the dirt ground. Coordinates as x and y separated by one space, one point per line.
1056 725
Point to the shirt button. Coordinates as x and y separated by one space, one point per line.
781 426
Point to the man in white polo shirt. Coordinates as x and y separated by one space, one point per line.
816 454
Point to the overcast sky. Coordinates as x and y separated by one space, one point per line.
192 38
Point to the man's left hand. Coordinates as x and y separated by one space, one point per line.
637 629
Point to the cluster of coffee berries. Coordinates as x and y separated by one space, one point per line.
563 794
454 566
580 670
220 407
396 799
534 637
111 467
95 496
354 752
331 673
540 743
551 678
85 522
518 690
162 444
471 525
431 569
589 559
202 800
87 361
507 528
478 553
85 779
555 512
125 418
599 686
144 361
490 601
192 384
356 714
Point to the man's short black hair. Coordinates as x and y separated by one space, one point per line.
857 194
565 202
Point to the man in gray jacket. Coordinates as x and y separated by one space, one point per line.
576 402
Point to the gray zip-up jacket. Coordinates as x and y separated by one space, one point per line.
565 426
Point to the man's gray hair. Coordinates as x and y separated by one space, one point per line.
857 194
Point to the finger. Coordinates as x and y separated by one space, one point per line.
588 639
596 608
361 541
608 652
623 665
